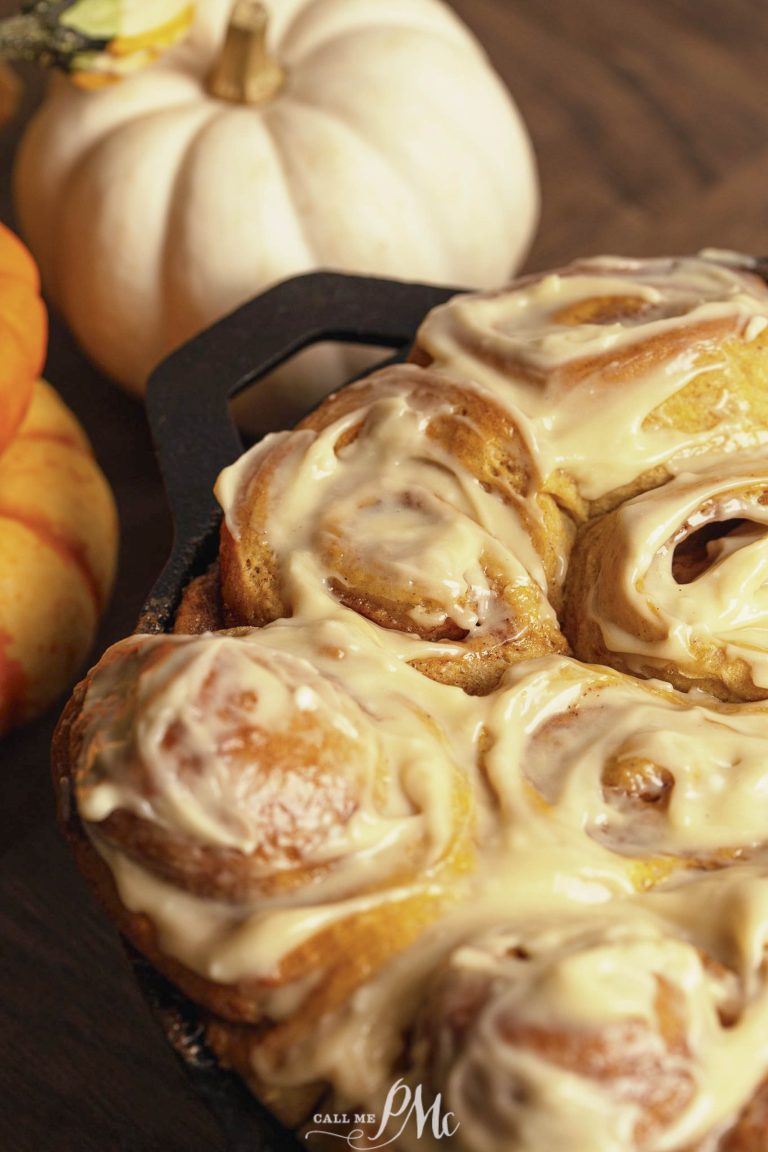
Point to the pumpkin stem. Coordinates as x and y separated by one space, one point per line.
245 72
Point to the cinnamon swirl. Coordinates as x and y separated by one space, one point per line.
412 499
623 367
259 819
663 779
605 1035
673 583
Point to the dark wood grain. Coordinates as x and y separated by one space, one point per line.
649 120
650 123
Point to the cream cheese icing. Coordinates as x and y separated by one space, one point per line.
520 344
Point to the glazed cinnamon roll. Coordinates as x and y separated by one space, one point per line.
411 499
673 583
606 1036
623 367
263 825
653 779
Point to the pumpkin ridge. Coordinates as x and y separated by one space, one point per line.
475 149
190 105
215 112
64 546
489 160
386 161
16 385
31 331
104 137
278 152
382 28
40 434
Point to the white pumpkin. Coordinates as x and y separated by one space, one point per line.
389 147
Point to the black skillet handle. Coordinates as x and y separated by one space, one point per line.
187 396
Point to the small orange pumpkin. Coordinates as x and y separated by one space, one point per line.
58 546
58 525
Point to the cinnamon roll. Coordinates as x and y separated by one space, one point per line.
609 1035
262 824
672 584
623 367
412 499
578 755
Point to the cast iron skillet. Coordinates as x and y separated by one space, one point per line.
195 437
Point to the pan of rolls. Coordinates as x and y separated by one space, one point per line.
431 793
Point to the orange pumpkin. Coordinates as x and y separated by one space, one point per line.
58 545
23 332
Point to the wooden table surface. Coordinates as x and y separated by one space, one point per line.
650 122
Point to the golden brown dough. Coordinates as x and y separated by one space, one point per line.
411 499
200 608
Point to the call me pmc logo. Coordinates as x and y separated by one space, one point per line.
403 1105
